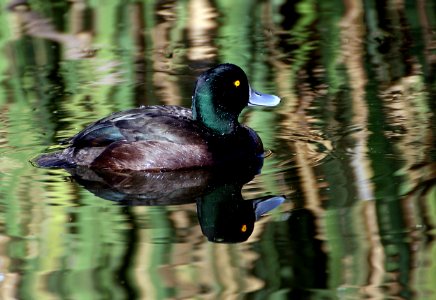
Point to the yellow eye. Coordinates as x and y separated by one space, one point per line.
244 228
237 83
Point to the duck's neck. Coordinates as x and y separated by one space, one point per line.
204 111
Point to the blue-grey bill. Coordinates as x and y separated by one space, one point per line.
263 206
259 99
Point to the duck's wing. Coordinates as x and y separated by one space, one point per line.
150 123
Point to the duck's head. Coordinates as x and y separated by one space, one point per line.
220 95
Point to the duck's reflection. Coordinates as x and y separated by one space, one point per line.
226 217
223 214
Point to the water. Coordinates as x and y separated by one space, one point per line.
353 151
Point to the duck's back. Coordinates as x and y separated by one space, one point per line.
167 123
146 138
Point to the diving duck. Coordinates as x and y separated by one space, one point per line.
163 138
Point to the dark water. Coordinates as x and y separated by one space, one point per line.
353 152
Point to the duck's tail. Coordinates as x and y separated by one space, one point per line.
57 159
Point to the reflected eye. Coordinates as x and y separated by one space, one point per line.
244 228
237 83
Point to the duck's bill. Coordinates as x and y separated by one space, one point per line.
263 206
259 99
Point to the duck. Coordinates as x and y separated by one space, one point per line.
168 137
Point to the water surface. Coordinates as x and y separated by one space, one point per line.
353 150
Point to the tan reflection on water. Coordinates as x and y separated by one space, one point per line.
352 37
353 33
201 23
77 43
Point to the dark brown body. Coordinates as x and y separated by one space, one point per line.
154 138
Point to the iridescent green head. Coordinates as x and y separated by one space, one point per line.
220 95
